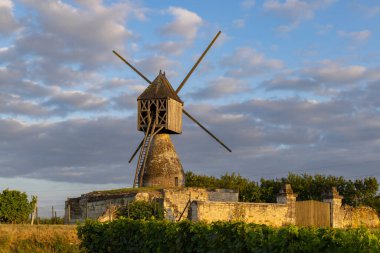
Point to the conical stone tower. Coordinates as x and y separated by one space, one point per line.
163 167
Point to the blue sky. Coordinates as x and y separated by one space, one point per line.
289 86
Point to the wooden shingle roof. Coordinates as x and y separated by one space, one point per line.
159 88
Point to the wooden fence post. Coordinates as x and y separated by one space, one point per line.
69 213
109 210
34 213
37 217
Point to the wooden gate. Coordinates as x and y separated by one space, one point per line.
312 213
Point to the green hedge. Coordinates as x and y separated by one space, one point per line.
125 235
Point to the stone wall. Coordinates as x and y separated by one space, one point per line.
73 211
261 213
281 213
209 205
103 206
273 214
99 206
360 216
348 216
177 201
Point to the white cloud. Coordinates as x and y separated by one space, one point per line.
86 146
284 82
152 65
295 11
16 106
126 101
247 62
185 23
221 87
7 4
368 10
65 101
333 73
248 4
8 23
169 47
86 35
238 23
327 78
357 37
323 29
56 63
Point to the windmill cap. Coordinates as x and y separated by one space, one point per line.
160 88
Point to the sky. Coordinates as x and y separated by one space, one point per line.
289 86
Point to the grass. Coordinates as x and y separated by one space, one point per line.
38 238
127 190
135 190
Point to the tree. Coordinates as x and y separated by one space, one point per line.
308 187
193 180
15 206
249 191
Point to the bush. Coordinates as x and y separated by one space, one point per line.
126 235
140 209
52 221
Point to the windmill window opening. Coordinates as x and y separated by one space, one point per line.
176 181
161 115
152 108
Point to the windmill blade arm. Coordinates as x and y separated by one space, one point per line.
137 150
196 64
130 65
207 131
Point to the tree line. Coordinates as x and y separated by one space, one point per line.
308 187
15 207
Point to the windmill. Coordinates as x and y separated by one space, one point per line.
159 115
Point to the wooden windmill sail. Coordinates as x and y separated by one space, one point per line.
159 115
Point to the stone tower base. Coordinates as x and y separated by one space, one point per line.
163 167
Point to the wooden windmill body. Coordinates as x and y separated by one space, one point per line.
160 115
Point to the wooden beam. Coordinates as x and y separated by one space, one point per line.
207 131
196 64
130 65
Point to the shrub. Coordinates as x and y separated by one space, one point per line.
126 235
140 209
52 221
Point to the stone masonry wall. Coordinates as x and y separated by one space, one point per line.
261 213
73 211
102 207
360 216
209 205
348 216
176 200
273 214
